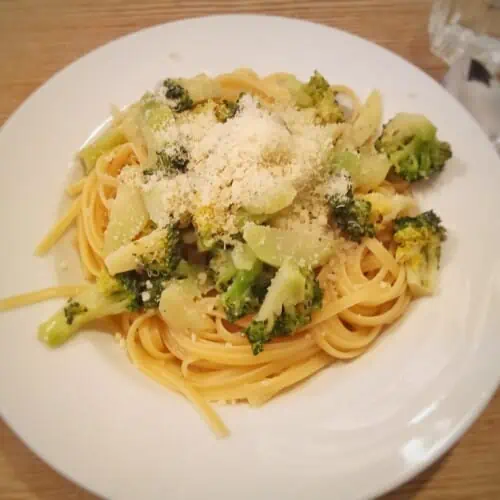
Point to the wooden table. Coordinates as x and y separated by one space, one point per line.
39 37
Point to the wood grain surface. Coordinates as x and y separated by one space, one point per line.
39 37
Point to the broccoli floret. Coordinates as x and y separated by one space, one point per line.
317 93
105 298
169 161
415 152
208 234
239 299
178 97
418 242
224 110
222 269
292 296
163 261
352 215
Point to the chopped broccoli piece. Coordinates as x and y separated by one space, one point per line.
156 115
415 152
222 269
163 261
239 299
169 161
336 162
90 153
352 215
225 110
418 242
317 93
292 296
107 297
178 97
207 232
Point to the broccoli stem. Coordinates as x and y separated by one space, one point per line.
104 143
87 306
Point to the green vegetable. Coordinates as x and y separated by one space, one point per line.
292 296
239 299
273 246
103 144
127 218
106 298
336 162
169 161
352 215
156 115
222 269
418 242
156 253
178 97
411 143
225 110
180 309
317 93
73 309
165 257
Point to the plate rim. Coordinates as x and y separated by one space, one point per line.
467 419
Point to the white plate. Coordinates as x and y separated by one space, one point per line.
357 429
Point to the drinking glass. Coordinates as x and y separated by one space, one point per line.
466 35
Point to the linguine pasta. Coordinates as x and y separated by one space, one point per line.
364 283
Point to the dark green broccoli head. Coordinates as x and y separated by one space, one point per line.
145 289
257 334
427 223
292 296
410 142
239 299
222 268
163 262
418 242
352 216
177 96
169 162
73 309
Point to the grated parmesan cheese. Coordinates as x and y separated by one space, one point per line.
233 164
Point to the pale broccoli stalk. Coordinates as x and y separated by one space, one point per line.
239 299
317 93
222 269
415 152
155 117
107 297
352 215
291 297
103 144
418 242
